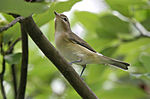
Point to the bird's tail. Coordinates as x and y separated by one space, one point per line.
114 62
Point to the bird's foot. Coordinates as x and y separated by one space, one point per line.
77 61
84 66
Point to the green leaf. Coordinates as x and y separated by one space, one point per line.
12 33
21 7
89 20
109 51
126 7
106 25
123 92
145 59
138 9
65 6
133 49
9 18
55 6
146 21
13 58
3 23
140 15
112 26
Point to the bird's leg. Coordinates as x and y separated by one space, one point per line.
84 66
77 61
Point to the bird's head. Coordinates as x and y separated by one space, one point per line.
61 23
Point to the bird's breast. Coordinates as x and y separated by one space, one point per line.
72 51
64 46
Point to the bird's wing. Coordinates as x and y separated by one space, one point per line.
76 39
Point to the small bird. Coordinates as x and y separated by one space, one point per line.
76 50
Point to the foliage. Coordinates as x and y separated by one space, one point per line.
112 35
21 7
13 58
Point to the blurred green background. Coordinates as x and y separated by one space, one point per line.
115 28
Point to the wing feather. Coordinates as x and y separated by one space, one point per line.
76 39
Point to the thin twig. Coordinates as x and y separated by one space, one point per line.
11 24
13 70
3 63
2 75
2 88
1 78
134 39
24 64
9 50
140 28
143 32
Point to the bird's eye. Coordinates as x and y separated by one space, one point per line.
65 19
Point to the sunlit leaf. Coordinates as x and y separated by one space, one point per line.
12 33
126 7
9 18
109 51
123 92
13 58
55 6
146 21
134 46
145 59
2 24
112 26
21 7
89 20
106 24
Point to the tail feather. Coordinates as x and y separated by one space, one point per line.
114 62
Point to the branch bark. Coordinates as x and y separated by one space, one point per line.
62 65
24 65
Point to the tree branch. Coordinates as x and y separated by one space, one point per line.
11 24
62 65
24 65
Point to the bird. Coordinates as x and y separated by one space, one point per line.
76 50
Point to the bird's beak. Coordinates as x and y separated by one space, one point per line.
57 14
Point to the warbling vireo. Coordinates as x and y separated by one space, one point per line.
76 50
